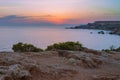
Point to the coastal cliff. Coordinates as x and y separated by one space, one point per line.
113 26
60 65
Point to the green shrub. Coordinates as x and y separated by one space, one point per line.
112 48
106 50
118 49
20 47
75 46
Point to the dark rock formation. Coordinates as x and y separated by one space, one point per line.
101 32
113 26
116 31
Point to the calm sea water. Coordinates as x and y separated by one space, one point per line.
41 37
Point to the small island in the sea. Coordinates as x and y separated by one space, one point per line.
113 26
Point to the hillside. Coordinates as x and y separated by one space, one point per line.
60 65
113 26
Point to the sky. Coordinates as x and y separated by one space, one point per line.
58 11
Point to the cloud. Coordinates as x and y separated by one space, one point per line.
43 20
11 17
41 17
14 20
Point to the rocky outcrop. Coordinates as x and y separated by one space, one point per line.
82 59
106 77
113 26
14 72
60 65
116 31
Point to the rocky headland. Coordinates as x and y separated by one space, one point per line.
113 26
60 65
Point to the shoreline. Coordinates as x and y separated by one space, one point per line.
113 26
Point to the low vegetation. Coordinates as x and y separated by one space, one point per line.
24 47
112 48
75 46
21 47
118 49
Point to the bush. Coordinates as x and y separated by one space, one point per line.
75 46
118 49
112 48
106 50
20 47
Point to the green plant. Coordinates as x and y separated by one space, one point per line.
118 49
106 50
112 48
20 47
66 46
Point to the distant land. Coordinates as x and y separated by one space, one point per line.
113 26
15 20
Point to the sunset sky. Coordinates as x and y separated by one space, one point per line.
60 11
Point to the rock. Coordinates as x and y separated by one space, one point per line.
59 65
113 26
24 75
92 51
3 69
101 32
72 61
85 60
14 72
112 77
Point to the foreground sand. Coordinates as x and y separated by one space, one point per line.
60 65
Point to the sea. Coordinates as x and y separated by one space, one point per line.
43 36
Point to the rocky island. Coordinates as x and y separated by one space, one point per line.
113 26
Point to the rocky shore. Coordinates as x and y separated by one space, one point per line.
113 26
60 65
116 31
